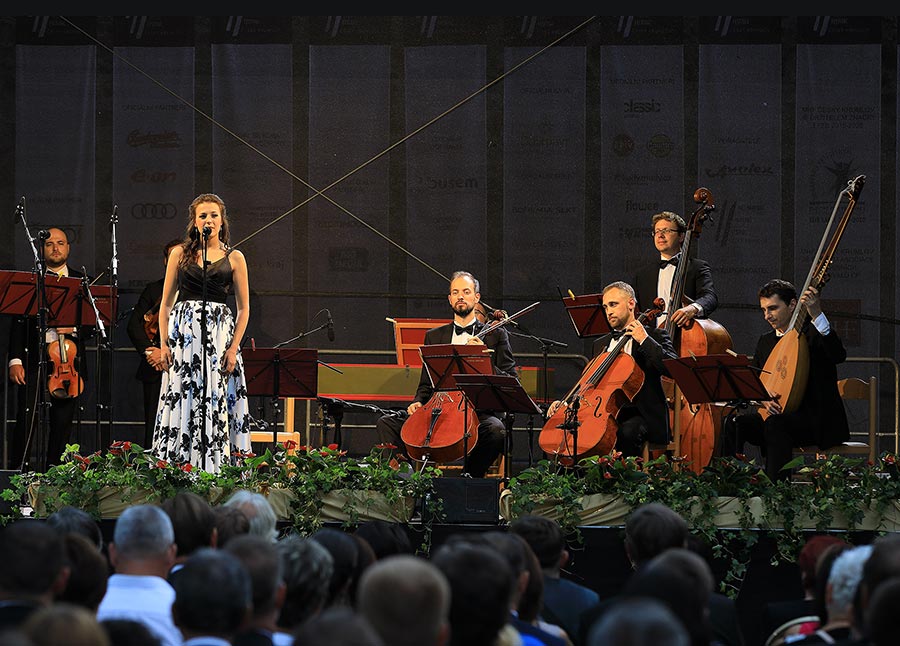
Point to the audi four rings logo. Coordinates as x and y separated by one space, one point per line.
154 211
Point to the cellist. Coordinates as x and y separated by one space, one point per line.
464 297
655 279
646 417
820 419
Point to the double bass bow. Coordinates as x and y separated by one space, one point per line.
445 428
787 369
587 424
698 427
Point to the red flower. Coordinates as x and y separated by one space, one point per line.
127 446
303 447
608 476
186 467
385 445
117 444
115 451
289 445
161 464
333 447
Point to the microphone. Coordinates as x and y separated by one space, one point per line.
43 234
330 325
207 231
20 207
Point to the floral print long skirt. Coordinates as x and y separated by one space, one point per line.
181 435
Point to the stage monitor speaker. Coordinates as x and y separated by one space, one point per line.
6 507
469 500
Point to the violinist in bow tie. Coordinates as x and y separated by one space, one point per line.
655 279
464 297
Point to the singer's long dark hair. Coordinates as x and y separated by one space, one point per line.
192 241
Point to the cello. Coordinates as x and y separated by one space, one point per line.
445 428
698 427
787 369
587 424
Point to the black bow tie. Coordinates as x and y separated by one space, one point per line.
616 334
671 261
469 329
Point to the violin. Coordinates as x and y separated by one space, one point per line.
151 321
64 381
587 424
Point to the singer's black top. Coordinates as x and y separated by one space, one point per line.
218 281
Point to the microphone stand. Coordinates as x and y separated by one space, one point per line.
546 346
114 319
203 339
103 341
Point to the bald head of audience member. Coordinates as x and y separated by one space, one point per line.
143 542
407 600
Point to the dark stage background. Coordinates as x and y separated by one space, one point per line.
539 183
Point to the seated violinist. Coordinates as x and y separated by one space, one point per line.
646 416
464 297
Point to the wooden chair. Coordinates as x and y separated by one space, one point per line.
855 389
265 437
409 335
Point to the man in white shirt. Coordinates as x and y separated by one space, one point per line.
142 552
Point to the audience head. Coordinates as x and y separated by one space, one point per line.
128 632
71 520
407 600
35 567
843 580
545 537
651 529
88 574
212 594
386 538
682 580
345 556
230 522
881 616
883 564
809 558
64 624
193 522
261 560
639 621
143 538
259 512
481 586
365 556
307 568
337 626
823 570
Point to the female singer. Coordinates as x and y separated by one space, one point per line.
202 417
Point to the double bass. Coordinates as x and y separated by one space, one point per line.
587 424
698 426
787 368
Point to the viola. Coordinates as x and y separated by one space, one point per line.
698 426
587 424
64 381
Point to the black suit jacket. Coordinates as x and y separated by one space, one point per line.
650 400
821 402
501 358
23 335
698 285
148 300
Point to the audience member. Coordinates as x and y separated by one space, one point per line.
386 538
127 632
883 564
365 557
34 572
193 522
142 553
64 624
345 556
881 618
307 568
481 586
259 512
88 573
406 599
70 520
213 597
640 621
723 614
230 522
261 560
339 625
564 600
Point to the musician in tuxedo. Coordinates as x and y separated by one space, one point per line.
23 372
655 279
820 418
646 417
149 370
464 296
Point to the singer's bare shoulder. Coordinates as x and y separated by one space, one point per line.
236 257
175 253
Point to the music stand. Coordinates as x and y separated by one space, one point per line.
281 372
444 362
18 294
498 392
586 312
717 378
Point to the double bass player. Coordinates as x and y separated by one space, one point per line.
464 297
646 416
